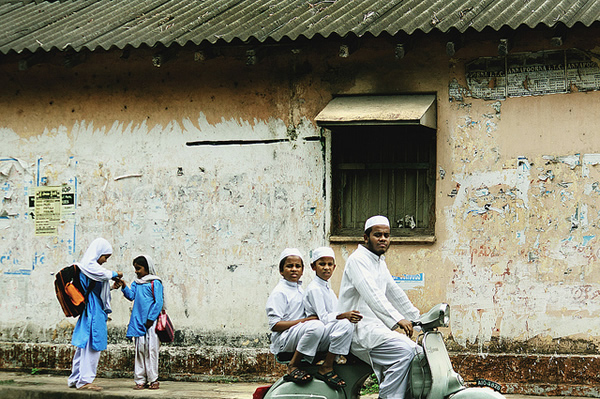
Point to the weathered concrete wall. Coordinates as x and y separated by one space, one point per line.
213 217
189 223
517 203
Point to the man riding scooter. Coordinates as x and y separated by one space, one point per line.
382 338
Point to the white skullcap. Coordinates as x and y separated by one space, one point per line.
321 252
375 220
289 252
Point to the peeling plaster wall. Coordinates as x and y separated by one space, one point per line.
214 217
522 228
517 205
190 223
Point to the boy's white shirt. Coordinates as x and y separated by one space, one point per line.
320 300
284 304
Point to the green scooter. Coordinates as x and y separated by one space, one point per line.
431 375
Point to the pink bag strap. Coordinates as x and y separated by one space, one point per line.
152 284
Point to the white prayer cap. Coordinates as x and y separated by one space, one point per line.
375 220
289 252
321 252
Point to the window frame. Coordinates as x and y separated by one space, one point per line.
334 119
392 175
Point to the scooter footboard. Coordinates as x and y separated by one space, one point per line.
477 393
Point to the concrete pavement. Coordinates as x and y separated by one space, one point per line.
45 386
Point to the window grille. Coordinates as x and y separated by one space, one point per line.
383 170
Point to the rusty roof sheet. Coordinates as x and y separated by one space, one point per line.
93 24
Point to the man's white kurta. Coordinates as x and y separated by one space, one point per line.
368 286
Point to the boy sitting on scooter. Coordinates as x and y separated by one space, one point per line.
320 300
291 330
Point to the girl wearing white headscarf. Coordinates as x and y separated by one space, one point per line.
146 292
90 333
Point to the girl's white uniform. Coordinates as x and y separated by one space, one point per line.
146 357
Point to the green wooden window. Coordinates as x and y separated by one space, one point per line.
386 170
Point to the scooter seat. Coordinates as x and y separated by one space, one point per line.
285 357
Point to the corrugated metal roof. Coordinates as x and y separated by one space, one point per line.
94 24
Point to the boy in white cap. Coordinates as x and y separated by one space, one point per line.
368 286
291 330
320 300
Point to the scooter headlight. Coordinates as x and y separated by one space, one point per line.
445 315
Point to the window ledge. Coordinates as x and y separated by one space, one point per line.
426 239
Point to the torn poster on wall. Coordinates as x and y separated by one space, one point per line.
529 74
48 203
68 193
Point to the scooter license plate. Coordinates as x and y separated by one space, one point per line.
482 382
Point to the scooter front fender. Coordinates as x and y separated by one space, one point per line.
477 393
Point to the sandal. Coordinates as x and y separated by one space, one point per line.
154 385
90 387
298 376
331 379
137 387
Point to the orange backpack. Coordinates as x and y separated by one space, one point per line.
69 291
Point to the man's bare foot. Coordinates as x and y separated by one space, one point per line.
341 359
